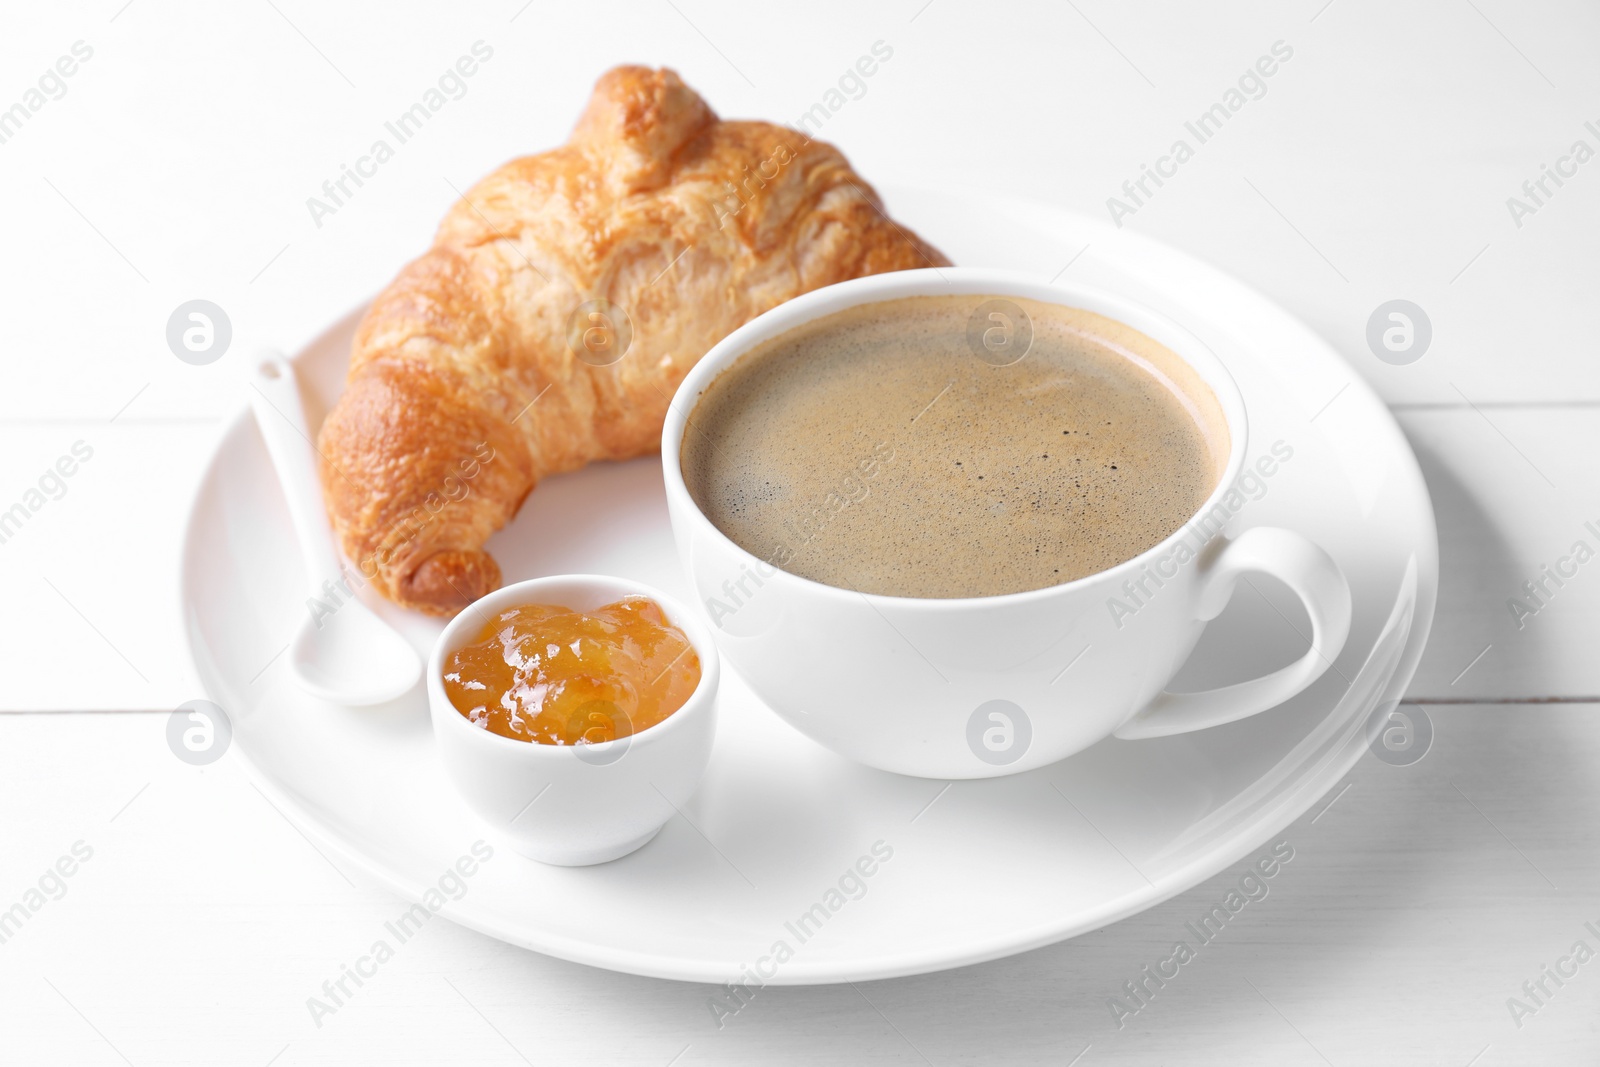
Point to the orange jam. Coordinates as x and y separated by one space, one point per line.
555 676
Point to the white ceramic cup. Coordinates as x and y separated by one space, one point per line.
575 805
986 686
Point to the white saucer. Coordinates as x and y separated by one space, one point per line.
978 870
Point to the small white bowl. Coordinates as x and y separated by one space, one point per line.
575 805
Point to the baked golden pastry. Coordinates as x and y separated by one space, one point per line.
493 360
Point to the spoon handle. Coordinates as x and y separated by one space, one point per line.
281 416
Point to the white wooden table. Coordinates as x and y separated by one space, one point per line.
175 163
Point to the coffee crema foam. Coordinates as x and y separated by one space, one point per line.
873 450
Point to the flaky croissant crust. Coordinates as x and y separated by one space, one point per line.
466 385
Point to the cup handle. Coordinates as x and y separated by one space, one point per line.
1321 586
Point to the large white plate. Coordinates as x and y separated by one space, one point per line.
980 869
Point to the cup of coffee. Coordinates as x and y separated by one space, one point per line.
959 523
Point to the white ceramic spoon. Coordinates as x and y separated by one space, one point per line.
347 655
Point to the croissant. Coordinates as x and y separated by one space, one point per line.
564 299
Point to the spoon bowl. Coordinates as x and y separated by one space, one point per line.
353 657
